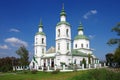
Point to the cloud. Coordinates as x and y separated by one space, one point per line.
89 13
14 30
91 36
4 47
15 42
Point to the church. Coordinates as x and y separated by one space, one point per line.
62 53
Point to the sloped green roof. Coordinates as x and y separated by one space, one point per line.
40 33
63 22
78 53
35 59
63 13
81 37
80 27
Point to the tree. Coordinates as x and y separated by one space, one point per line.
116 41
84 62
117 56
7 63
109 58
89 58
24 55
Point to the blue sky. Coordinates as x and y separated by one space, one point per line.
19 21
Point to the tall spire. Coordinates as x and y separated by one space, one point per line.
40 25
63 13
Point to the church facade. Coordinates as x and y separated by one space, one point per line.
63 53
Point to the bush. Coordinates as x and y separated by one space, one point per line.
34 71
56 71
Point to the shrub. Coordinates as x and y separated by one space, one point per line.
97 74
34 71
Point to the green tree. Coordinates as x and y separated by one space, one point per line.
116 41
113 41
24 55
89 58
109 58
117 56
84 62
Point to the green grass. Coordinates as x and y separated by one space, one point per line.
38 76
96 74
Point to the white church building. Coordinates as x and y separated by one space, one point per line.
62 53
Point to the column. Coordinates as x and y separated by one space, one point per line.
63 67
94 65
42 62
55 67
82 66
13 68
48 68
46 62
89 66
42 68
104 64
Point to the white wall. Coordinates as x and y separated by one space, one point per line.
79 42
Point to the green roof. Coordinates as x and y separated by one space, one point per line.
80 27
40 33
63 22
78 53
81 37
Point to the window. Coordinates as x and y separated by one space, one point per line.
67 32
58 46
43 50
58 32
75 61
67 46
81 45
42 40
75 45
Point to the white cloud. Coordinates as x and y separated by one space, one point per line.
93 11
91 36
4 47
14 30
15 42
89 13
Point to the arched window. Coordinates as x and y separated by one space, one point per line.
67 32
75 45
42 40
58 32
43 50
58 46
67 46
81 45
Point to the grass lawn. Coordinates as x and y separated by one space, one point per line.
39 76
95 74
